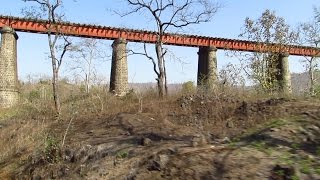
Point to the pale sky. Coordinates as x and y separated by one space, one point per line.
227 23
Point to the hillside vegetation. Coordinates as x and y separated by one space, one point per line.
226 134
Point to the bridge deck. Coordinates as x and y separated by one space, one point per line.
103 32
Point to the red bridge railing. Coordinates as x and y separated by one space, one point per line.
103 32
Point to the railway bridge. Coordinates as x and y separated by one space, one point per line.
207 59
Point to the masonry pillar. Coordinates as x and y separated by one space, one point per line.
207 67
284 77
9 94
119 68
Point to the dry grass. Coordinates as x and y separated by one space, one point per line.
21 134
25 128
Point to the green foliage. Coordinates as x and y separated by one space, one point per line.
287 158
305 166
263 67
277 123
122 154
51 149
317 170
233 144
318 151
188 87
295 146
261 146
294 177
280 172
34 95
82 88
317 90
268 125
8 113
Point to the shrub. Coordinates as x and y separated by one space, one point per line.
188 87
51 149
34 95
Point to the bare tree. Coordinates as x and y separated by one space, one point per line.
86 54
269 28
310 35
58 43
170 15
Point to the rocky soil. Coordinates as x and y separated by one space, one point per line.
193 137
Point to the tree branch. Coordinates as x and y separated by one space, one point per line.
37 1
145 53
65 49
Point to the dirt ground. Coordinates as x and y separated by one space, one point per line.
192 137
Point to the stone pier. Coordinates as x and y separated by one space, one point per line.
9 94
207 67
119 68
284 77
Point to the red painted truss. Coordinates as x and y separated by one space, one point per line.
103 32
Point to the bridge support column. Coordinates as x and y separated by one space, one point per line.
9 94
207 67
284 77
119 68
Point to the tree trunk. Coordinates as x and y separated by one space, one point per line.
161 77
88 75
165 77
87 83
55 85
55 77
311 74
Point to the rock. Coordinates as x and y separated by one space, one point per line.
274 129
199 140
69 155
36 177
159 162
194 143
172 150
82 154
163 160
146 142
315 176
91 132
226 140
313 127
126 133
293 131
311 137
230 124
80 169
311 157
62 171
183 106
302 130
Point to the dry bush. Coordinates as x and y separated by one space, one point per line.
23 130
